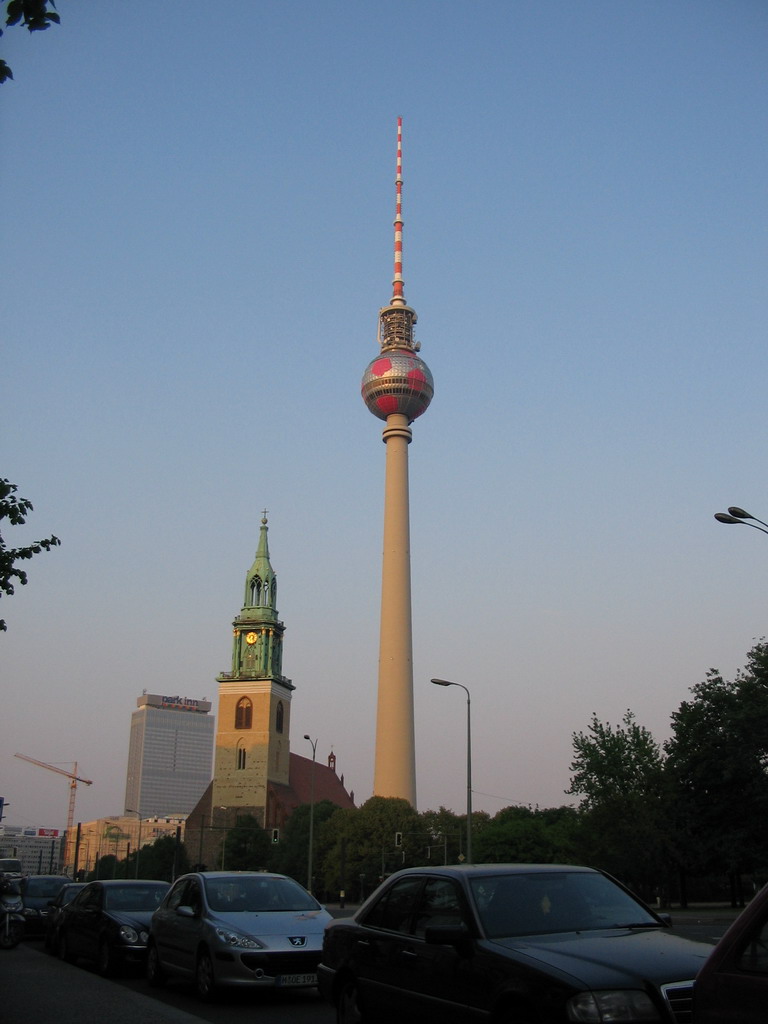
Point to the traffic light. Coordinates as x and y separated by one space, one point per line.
398 838
275 835
2 807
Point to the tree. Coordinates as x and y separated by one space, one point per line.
615 762
619 772
718 757
291 854
246 846
524 835
15 510
359 845
34 15
162 861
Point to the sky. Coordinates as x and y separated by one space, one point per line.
198 208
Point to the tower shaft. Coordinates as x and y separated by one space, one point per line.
395 765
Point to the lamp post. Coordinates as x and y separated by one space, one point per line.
738 515
447 682
311 812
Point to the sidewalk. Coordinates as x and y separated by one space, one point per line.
35 986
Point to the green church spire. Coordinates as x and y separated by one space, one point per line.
261 583
257 649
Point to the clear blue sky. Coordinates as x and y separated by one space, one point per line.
198 237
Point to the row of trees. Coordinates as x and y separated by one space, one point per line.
693 807
665 819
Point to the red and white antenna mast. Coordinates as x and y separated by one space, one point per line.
398 299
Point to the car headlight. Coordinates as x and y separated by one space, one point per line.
611 1007
230 938
31 912
129 935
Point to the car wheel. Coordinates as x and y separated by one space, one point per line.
63 948
106 959
348 1007
11 935
155 974
205 982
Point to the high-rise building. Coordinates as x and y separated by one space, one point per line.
169 756
397 387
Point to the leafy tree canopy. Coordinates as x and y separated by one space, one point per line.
246 847
34 15
718 756
614 762
15 510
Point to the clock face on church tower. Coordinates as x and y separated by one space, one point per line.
251 638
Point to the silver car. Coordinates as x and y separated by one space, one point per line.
236 928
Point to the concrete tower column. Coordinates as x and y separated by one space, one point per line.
395 767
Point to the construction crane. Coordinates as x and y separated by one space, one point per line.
73 777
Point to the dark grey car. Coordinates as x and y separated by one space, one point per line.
108 922
508 943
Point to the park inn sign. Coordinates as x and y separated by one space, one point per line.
176 703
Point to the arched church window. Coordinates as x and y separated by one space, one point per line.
243 714
241 756
279 717
255 590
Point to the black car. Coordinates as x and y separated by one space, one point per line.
732 986
66 894
108 922
37 891
508 943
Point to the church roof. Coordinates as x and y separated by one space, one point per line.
328 785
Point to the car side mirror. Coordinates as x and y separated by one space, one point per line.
185 911
456 935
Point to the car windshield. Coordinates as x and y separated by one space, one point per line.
537 903
257 895
43 887
134 897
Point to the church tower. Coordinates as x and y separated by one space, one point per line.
253 723
397 387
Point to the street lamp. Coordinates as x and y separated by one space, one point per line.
447 682
311 812
738 515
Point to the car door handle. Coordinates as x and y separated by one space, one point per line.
409 954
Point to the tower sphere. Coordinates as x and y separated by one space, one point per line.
397 381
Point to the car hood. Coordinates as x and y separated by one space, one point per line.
284 922
615 958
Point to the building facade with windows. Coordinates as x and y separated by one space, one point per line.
255 772
252 737
169 755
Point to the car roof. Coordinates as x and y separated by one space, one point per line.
472 870
122 883
61 878
234 874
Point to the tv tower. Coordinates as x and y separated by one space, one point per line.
397 387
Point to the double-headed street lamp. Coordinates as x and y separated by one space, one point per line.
738 515
447 682
311 812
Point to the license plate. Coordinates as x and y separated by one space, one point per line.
294 980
